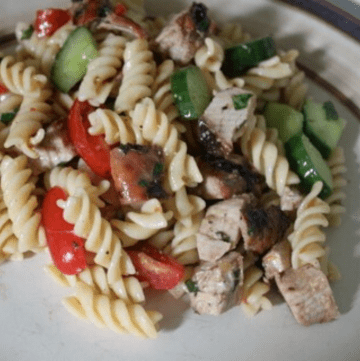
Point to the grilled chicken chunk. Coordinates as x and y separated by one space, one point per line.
219 231
55 148
278 259
262 228
222 123
308 294
224 178
217 286
291 199
185 34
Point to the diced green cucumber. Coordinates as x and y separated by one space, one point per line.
242 57
322 125
307 162
73 58
191 92
285 119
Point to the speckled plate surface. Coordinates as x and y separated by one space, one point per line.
35 326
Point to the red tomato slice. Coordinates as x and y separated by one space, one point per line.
49 20
3 89
160 270
120 9
67 249
93 149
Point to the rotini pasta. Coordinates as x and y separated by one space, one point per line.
115 314
336 163
17 186
138 75
99 79
307 237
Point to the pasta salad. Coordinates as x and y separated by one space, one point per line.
175 154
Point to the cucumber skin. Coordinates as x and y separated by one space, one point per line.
181 97
248 57
58 75
298 160
323 148
275 113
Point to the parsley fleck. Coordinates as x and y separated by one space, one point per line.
7 118
192 286
223 236
330 111
26 34
158 169
143 183
240 101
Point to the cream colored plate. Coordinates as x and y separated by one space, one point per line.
35 326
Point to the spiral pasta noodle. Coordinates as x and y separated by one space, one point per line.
100 239
267 160
253 299
20 79
96 278
9 103
114 314
114 127
144 224
101 71
337 167
70 179
161 90
210 56
307 237
18 186
138 75
26 128
43 50
152 126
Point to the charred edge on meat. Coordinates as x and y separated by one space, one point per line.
258 220
199 16
228 166
208 139
105 9
144 149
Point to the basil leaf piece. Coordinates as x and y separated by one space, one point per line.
7 118
26 34
330 111
192 286
240 101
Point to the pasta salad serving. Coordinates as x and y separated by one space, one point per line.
176 154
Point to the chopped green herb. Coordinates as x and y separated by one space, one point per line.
251 230
158 169
223 236
7 118
330 111
143 183
192 286
26 34
240 101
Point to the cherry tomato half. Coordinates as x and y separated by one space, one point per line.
3 89
49 20
160 270
93 149
67 249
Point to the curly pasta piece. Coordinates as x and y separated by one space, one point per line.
161 90
138 75
210 56
100 239
8 241
101 71
337 167
144 224
96 278
43 50
70 179
115 314
20 79
267 160
152 127
26 128
115 127
18 187
9 102
253 299
307 237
